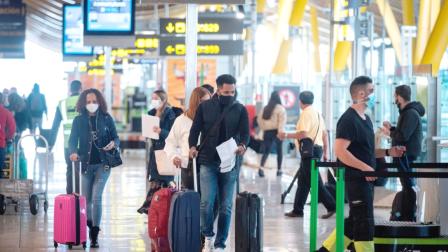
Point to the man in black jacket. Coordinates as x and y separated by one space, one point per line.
218 120
407 133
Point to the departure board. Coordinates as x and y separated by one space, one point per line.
109 17
72 42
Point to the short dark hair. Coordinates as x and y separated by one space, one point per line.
210 88
306 97
225 79
359 82
404 91
75 86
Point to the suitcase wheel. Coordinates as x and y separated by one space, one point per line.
34 204
84 245
55 244
70 246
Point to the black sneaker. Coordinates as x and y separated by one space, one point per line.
279 173
293 214
261 173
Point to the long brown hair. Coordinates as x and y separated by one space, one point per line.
163 96
82 101
195 100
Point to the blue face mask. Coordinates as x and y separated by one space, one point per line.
370 101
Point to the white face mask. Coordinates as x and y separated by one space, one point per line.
156 104
92 107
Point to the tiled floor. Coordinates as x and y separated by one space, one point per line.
123 229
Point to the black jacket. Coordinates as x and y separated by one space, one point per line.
235 124
80 140
409 129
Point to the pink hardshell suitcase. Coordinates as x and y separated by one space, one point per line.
70 217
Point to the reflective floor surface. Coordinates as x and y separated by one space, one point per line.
123 229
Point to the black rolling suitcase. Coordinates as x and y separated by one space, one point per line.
249 223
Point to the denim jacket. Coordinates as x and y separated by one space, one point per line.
80 140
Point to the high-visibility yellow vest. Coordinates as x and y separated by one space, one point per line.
68 112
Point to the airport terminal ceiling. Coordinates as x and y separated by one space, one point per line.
44 17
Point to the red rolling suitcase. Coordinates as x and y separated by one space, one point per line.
158 215
70 217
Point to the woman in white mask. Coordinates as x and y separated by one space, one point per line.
93 134
163 110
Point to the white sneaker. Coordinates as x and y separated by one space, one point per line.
209 244
219 250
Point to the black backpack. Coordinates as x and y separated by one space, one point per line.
404 206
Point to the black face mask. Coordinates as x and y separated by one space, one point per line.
226 100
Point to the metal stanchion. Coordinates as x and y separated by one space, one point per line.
314 202
340 191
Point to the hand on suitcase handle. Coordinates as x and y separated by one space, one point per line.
74 157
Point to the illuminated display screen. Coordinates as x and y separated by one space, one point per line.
72 42
109 17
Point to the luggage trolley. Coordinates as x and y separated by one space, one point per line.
13 190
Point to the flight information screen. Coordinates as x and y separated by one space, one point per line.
72 42
109 17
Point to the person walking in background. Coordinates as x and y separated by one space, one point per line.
22 117
162 109
93 133
218 120
408 133
272 121
7 130
37 107
176 145
310 125
65 113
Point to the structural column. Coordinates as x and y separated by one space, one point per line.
191 57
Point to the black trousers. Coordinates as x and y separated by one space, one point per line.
304 186
359 226
68 174
269 138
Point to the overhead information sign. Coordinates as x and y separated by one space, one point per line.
171 26
199 1
150 43
72 32
12 29
109 17
176 47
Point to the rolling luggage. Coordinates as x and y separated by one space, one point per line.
184 221
70 217
158 215
248 223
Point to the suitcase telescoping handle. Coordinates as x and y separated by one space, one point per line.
74 176
195 175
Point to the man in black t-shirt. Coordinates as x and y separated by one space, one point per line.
355 148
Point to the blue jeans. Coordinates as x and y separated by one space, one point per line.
93 182
222 185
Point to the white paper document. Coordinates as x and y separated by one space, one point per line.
226 152
148 124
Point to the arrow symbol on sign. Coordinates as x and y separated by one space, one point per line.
170 49
170 27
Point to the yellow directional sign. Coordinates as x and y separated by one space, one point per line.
171 26
176 47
